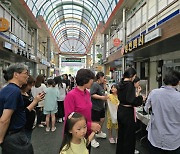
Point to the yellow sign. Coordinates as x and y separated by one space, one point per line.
134 44
4 25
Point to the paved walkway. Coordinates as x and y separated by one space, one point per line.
49 142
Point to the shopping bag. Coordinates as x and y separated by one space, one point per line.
113 111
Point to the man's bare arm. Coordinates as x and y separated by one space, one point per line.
4 122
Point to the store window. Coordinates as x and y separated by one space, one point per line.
138 18
8 17
151 8
12 25
1 11
144 13
17 28
133 22
169 1
120 34
161 4
144 71
128 26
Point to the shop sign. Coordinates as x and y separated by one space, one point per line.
4 25
13 38
22 44
152 35
72 64
134 44
116 42
7 45
81 60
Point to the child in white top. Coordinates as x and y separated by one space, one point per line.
74 141
38 88
62 94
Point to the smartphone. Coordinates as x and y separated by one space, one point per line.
44 92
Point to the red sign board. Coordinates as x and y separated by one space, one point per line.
4 25
116 42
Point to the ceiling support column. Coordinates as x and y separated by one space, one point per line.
94 53
105 50
105 47
48 54
35 67
124 39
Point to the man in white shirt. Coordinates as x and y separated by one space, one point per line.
164 126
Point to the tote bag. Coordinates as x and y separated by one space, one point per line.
113 111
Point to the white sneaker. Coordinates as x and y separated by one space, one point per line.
60 120
53 129
94 143
101 135
136 152
47 129
41 125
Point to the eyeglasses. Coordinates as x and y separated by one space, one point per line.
27 73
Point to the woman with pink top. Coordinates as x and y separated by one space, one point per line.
79 99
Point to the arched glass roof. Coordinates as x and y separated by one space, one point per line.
72 22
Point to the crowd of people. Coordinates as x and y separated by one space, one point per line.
82 103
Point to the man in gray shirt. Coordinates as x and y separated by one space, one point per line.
164 126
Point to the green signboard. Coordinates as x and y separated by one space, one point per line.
80 60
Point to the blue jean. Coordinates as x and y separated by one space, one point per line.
155 150
28 134
17 143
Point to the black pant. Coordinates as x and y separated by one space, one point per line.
89 148
40 116
126 130
60 113
17 143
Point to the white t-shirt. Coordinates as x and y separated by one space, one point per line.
35 91
62 92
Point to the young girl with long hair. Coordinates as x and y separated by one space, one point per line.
74 141
113 103
62 94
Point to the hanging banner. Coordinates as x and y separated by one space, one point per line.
4 25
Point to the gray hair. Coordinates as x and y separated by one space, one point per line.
9 72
